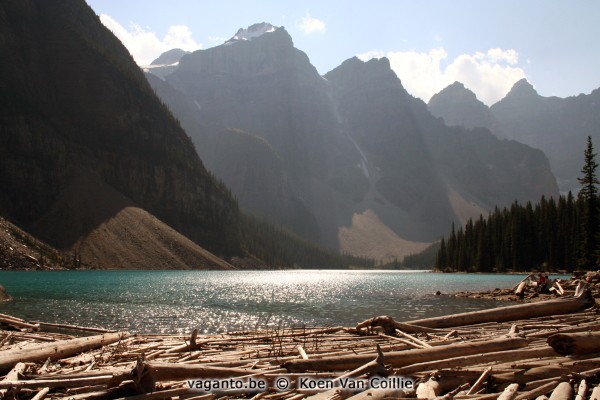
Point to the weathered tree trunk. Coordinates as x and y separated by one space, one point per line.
56 350
18 322
559 288
450 395
534 374
13 375
510 392
521 289
41 394
564 391
539 391
74 382
192 345
389 325
510 313
462 361
429 389
146 374
568 344
595 393
484 376
75 327
582 390
374 367
407 357
164 371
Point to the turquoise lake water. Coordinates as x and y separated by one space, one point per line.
217 301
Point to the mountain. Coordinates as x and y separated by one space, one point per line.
459 106
18 249
90 160
558 126
170 57
166 63
555 125
348 159
94 164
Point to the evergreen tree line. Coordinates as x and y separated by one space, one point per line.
550 235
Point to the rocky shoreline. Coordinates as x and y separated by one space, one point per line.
531 293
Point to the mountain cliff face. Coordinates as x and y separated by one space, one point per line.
555 125
434 174
360 164
459 106
73 106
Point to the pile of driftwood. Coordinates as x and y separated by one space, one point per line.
523 351
530 289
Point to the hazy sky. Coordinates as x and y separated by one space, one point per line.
486 45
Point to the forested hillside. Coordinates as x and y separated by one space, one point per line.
552 234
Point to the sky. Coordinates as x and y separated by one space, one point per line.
486 45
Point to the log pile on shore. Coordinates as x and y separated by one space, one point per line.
528 290
524 351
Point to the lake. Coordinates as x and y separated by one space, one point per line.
218 301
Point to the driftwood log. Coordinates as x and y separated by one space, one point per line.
18 322
389 325
564 391
595 393
568 344
407 357
13 375
429 389
56 350
510 313
463 361
582 390
375 367
539 391
510 392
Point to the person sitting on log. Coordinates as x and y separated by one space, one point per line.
543 286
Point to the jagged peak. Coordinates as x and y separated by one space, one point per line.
253 31
169 57
372 66
355 71
522 88
457 85
455 91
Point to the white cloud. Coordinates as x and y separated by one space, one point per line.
371 54
490 75
510 56
144 45
310 25
217 39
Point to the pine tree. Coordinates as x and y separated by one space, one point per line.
589 196
441 260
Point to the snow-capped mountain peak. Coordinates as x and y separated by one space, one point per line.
252 32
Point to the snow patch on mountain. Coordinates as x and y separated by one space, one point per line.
252 32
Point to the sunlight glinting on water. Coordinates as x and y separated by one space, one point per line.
218 301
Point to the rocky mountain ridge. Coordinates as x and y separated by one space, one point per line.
75 105
94 164
342 156
558 126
